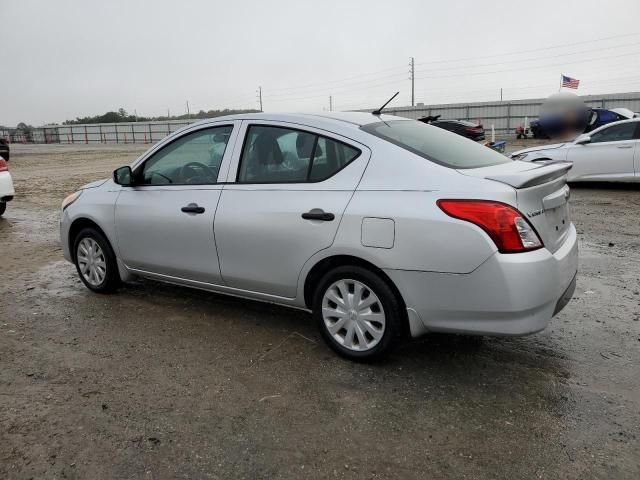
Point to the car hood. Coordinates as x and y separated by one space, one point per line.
95 184
553 146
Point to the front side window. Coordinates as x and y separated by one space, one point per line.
193 159
435 144
284 155
615 133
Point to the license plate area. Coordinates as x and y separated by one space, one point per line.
558 219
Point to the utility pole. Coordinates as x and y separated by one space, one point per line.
168 113
259 92
412 72
188 113
330 104
135 113
500 93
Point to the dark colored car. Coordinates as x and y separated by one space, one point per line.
465 128
4 149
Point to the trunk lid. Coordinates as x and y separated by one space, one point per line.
542 195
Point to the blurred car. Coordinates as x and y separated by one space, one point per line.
6 185
608 153
465 128
4 149
551 126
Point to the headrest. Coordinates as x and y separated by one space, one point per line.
267 150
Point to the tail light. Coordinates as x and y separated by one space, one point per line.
3 165
506 226
473 129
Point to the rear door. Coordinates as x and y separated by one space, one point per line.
609 155
287 189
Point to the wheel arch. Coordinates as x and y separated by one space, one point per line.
77 226
328 263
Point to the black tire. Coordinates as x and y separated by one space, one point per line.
3 207
111 279
395 316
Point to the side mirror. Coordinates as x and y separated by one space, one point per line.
582 140
123 176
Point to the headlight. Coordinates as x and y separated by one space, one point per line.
519 156
70 199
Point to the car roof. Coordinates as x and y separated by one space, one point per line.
626 120
344 119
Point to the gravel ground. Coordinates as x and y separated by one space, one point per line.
159 381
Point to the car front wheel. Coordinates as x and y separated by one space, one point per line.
95 261
358 314
3 207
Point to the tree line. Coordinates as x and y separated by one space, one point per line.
123 116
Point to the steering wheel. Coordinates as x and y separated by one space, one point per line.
189 172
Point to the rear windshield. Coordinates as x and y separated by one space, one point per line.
436 144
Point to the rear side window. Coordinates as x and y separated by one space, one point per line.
283 155
615 133
435 144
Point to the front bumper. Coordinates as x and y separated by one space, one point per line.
509 294
65 225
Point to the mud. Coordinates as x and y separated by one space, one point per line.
158 381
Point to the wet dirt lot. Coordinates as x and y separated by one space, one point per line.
161 382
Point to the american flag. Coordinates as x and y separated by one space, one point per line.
569 82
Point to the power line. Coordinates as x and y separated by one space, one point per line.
395 82
336 81
518 52
330 88
359 77
541 58
530 68
348 85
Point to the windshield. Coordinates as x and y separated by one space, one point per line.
435 144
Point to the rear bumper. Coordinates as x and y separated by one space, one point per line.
514 294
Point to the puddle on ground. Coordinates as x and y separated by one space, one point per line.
58 279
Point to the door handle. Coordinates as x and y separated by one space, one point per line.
625 146
318 214
192 208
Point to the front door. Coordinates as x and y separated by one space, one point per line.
164 224
609 155
288 191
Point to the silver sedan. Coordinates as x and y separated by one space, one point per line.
379 225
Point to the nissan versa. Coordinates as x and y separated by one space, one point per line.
377 224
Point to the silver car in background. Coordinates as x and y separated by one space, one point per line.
379 225
610 153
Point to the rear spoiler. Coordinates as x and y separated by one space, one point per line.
537 175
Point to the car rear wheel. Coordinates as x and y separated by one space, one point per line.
3 207
358 314
95 261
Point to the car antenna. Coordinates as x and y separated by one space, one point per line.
379 111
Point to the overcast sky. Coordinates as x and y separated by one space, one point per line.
62 59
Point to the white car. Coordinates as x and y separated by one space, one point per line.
610 153
377 224
6 186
